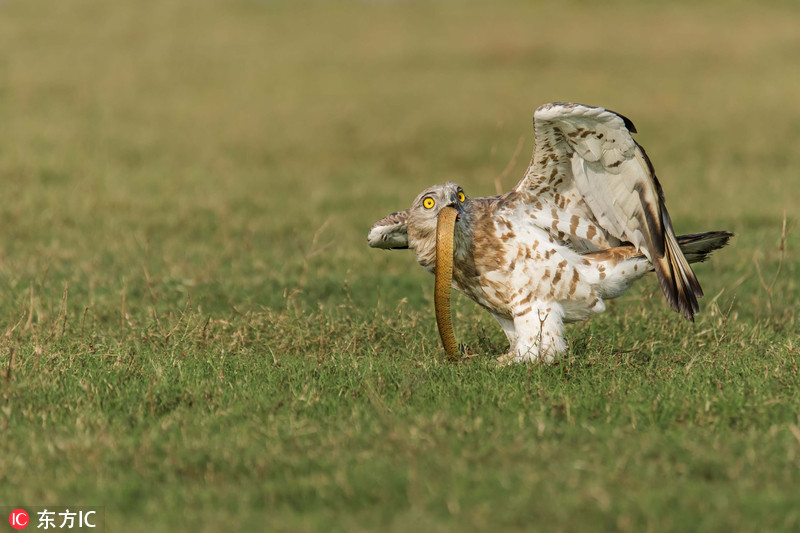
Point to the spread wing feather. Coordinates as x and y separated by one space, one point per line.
586 163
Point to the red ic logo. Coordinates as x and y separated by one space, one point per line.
18 519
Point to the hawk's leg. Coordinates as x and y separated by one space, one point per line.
540 333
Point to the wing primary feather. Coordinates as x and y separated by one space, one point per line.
676 277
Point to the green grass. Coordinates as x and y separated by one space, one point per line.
197 337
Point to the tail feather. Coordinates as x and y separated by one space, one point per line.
696 247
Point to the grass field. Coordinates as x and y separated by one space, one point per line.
197 337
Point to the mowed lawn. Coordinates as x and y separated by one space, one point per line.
195 335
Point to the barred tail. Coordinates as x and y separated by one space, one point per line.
696 247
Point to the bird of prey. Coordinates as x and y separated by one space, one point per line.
586 221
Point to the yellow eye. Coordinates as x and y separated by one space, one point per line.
461 196
428 202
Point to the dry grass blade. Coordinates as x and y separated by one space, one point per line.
769 287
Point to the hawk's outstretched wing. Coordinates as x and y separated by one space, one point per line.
587 168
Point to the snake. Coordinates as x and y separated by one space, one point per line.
445 227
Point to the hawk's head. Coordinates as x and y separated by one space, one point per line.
415 227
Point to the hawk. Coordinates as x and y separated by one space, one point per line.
586 221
